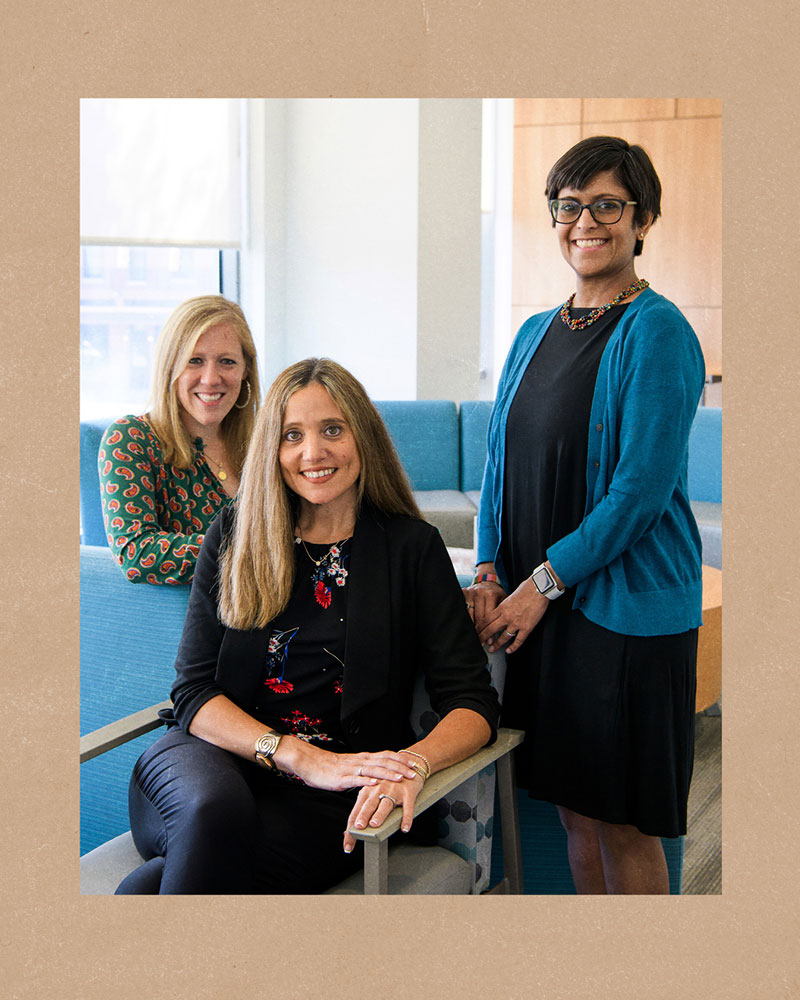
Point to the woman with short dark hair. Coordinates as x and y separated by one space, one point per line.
589 569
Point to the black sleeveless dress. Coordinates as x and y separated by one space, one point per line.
609 718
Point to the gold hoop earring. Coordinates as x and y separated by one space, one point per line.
241 406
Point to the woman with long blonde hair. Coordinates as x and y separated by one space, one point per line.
165 475
317 598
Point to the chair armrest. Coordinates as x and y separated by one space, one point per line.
443 782
121 731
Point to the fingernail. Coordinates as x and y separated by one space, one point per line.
348 850
406 829
373 781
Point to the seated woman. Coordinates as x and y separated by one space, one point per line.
166 475
317 597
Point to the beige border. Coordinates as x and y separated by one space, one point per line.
55 943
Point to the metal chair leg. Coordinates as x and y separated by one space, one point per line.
376 867
509 818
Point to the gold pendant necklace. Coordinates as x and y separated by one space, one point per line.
318 562
221 474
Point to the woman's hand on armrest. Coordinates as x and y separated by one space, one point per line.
459 735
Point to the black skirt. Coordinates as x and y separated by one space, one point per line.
609 720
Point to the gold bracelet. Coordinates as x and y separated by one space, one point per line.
425 759
418 768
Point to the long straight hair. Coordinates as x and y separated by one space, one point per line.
257 562
176 342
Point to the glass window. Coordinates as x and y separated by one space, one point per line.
126 295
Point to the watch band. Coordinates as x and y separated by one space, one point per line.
545 582
265 747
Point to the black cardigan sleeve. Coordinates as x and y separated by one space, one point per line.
196 661
454 662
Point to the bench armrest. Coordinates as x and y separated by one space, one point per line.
121 731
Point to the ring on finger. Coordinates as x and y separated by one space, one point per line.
389 797
512 634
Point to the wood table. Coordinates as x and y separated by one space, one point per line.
709 641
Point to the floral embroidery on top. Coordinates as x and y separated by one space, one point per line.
277 655
331 565
304 727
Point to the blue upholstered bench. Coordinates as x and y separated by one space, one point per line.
129 636
705 480
426 435
443 450
93 531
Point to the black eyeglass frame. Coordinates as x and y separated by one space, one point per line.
555 202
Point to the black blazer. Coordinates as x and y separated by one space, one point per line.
405 613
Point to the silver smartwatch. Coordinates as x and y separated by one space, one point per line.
545 583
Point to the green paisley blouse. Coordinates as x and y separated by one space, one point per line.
155 514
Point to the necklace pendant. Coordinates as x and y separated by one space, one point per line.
222 475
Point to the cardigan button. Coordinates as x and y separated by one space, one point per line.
598 427
597 465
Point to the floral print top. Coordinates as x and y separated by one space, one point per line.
302 679
155 514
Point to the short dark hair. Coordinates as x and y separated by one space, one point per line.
630 164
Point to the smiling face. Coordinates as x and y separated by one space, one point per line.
210 384
600 255
318 453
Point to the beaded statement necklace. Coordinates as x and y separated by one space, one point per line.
581 322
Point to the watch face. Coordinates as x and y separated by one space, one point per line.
543 580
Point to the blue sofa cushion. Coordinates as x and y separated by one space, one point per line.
425 434
129 637
93 530
474 420
705 455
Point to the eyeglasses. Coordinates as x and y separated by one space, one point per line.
606 211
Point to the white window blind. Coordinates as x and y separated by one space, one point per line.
160 171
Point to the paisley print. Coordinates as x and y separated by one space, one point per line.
161 523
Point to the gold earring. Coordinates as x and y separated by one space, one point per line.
241 406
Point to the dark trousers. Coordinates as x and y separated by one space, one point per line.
206 821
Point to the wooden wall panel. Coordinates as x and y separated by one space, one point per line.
699 107
536 276
707 324
682 251
601 109
547 111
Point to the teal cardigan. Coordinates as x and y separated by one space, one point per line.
635 557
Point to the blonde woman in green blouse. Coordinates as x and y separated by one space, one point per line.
165 475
